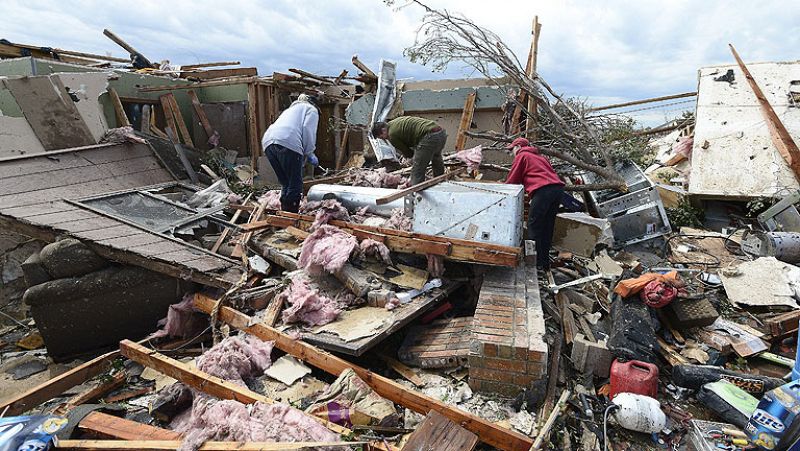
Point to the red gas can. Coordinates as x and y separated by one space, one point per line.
634 377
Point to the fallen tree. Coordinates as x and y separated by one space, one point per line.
564 132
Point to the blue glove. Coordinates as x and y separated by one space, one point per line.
313 160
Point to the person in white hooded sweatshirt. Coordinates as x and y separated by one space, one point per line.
288 143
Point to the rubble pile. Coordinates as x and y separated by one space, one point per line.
379 315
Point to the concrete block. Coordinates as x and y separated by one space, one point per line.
591 357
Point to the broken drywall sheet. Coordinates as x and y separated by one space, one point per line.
580 233
17 137
733 154
287 370
51 112
87 88
359 323
763 282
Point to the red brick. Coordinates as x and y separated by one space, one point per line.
525 380
491 375
508 390
505 364
490 350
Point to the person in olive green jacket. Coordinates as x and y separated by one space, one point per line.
416 138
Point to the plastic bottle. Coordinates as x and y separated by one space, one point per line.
638 413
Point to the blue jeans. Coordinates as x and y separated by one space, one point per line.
288 166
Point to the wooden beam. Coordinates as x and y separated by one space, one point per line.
199 84
172 445
227 231
166 107
239 249
781 138
203 381
176 110
127 47
643 101
466 119
488 432
253 140
545 431
214 64
363 68
109 426
201 115
533 56
47 390
146 118
315 77
419 186
119 110
405 242
220 73
93 393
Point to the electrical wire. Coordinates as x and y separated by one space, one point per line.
605 425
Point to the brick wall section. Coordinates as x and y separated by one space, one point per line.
444 343
507 348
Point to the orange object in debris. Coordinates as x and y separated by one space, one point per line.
634 377
630 287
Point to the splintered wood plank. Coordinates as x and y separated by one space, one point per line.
176 110
466 120
110 426
57 385
439 433
166 107
119 110
202 381
487 431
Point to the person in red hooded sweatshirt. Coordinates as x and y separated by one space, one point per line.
533 171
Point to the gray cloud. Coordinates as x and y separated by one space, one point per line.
606 51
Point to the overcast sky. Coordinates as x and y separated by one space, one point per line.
607 51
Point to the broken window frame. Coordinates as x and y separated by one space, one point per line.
165 231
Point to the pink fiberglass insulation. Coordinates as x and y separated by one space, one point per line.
376 249
361 215
471 157
237 358
307 305
324 211
399 221
327 249
376 178
229 420
182 320
271 199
